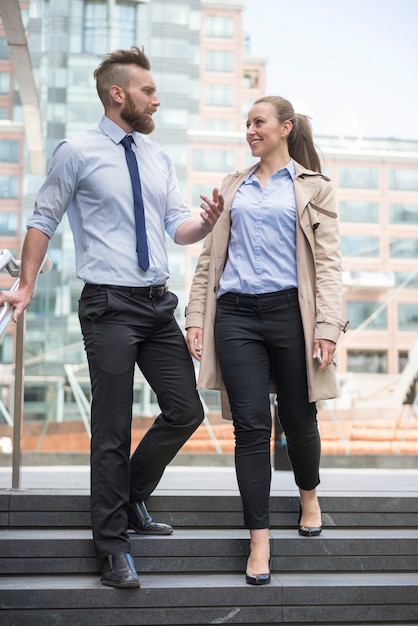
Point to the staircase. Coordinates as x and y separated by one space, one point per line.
363 569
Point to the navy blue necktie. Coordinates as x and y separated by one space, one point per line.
141 235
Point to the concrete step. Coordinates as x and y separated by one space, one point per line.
189 599
39 508
63 551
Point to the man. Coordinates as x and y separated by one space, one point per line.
126 311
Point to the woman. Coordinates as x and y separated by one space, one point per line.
265 309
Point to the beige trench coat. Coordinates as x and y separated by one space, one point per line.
318 271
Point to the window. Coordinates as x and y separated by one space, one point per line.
359 245
9 186
403 180
403 248
219 27
126 24
219 61
359 177
403 213
6 349
251 79
4 48
402 360
219 95
408 316
94 27
170 12
213 160
408 279
170 48
360 311
367 361
355 211
8 224
4 83
9 151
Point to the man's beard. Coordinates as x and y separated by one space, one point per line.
141 122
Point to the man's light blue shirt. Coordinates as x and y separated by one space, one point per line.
89 180
262 248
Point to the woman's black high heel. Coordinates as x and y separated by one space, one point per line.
306 531
260 579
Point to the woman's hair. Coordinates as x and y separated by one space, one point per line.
115 70
300 139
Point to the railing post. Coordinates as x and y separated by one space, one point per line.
18 400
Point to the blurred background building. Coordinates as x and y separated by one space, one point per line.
206 78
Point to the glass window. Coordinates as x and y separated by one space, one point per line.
9 186
94 27
170 48
359 177
4 82
173 83
8 224
126 24
219 26
408 316
9 150
403 248
367 361
6 349
251 79
358 311
4 113
4 48
219 61
359 245
403 213
170 12
219 95
403 180
407 279
213 160
402 360
356 211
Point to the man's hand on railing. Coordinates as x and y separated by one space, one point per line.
18 299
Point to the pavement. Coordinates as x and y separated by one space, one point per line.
188 479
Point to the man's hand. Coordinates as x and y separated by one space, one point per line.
212 209
195 229
18 299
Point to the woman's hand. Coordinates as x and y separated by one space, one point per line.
194 340
324 352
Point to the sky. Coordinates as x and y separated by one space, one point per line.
350 65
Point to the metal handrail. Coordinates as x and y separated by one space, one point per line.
8 262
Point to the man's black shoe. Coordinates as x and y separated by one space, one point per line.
142 523
119 571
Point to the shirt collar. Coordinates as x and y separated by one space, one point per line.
115 132
290 167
